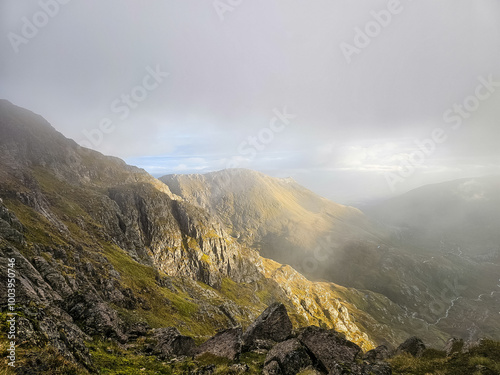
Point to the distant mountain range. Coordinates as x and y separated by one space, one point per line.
462 216
103 249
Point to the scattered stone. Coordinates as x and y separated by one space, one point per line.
413 346
239 368
471 344
272 368
273 324
226 344
170 342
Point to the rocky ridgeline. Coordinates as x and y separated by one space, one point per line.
288 351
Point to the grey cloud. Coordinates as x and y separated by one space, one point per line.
226 77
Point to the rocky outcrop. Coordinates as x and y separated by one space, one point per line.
328 347
226 344
95 315
314 350
454 345
318 303
10 227
31 287
413 346
168 342
472 344
273 324
380 353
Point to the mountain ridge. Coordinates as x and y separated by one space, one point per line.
105 246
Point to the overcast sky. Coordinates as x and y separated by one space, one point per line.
335 94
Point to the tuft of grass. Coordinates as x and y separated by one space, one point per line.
241 293
108 358
46 361
254 361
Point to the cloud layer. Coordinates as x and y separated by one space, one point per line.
232 64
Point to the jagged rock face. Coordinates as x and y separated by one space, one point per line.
412 260
317 302
273 324
137 212
280 217
31 285
226 344
96 316
10 228
179 239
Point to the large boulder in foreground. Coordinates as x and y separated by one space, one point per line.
328 347
287 358
413 346
273 324
226 344
170 343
